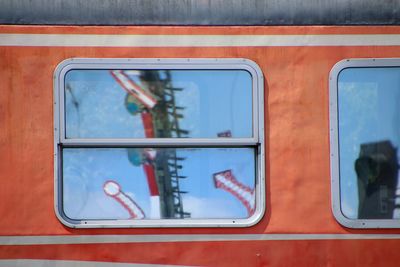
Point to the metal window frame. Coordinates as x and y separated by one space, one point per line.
256 141
334 141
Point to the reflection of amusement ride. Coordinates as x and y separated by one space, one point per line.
151 95
154 100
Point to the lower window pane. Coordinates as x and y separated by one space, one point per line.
162 183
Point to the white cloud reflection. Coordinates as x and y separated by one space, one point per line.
202 207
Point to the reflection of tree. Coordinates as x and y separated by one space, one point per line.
376 170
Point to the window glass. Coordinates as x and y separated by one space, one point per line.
182 183
182 103
369 137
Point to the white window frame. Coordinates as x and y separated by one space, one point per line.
334 142
256 141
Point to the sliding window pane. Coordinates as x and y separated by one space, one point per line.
158 104
162 183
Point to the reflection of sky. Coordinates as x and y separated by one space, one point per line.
86 170
368 103
214 101
100 111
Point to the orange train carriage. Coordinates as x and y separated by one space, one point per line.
301 214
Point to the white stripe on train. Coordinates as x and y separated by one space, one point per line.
115 239
68 263
110 40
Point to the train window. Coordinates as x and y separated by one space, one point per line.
192 92
365 135
159 142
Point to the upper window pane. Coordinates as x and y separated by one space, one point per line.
158 103
369 135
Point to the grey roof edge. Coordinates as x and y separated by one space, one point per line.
200 12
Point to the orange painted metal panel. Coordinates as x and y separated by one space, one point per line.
296 89
245 253
297 152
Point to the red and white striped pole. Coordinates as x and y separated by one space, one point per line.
150 155
113 189
149 101
144 97
227 181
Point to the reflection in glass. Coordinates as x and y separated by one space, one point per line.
369 135
376 170
166 183
158 103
